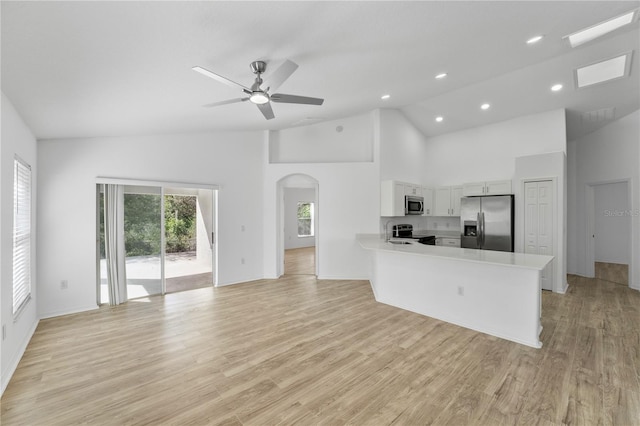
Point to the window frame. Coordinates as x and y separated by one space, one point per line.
21 236
311 219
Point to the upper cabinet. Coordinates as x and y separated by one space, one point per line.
497 187
411 189
392 198
428 194
447 200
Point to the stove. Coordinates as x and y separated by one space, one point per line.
406 231
402 231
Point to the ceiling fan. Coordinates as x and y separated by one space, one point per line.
258 93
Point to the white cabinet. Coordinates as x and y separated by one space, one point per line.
427 193
448 241
411 189
391 198
447 201
456 196
496 187
471 189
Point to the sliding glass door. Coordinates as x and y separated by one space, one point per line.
169 236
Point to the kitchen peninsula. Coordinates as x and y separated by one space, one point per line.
497 293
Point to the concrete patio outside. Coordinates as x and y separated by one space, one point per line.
182 272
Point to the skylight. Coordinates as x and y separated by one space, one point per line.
600 72
598 30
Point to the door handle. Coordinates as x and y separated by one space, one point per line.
478 230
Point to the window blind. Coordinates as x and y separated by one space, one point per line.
21 234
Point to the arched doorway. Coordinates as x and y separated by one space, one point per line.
298 225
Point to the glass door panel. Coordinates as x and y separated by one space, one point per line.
103 291
189 236
143 240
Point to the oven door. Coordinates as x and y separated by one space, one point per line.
413 205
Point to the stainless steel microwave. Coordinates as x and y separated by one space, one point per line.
413 205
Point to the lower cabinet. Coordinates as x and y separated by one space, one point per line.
449 242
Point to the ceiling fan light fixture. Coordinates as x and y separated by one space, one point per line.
259 98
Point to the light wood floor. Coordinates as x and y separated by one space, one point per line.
615 272
306 351
300 261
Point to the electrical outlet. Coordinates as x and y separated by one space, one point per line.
242 228
460 290
242 260
64 284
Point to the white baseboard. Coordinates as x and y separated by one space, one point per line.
68 311
13 364
248 280
342 278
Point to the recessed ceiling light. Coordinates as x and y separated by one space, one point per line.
556 87
535 39
439 119
485 106
385 96
600 72
598 30
441 75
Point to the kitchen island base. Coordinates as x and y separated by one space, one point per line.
500 299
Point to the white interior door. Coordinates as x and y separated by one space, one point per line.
539 224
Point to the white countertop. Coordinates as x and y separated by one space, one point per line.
518 260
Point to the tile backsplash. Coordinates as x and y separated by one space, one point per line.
432 223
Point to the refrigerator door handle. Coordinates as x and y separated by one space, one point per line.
482 218
478 230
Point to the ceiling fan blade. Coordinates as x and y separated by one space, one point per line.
228 101
266 110
276 78
293 99
221 79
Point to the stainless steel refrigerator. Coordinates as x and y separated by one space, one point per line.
487 222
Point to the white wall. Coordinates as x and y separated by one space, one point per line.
404 152
292 196
66 213
348 204
612 224
17 139
344 140
607 155
488 152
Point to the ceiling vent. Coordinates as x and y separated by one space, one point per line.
599 115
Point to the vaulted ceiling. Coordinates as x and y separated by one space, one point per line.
85 69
